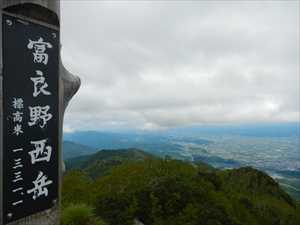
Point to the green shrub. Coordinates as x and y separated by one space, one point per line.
75 186
80 214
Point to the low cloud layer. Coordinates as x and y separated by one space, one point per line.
152 65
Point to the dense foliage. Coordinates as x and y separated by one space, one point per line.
80 215
170 192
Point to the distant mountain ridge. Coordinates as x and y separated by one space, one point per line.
159 143
72 149
248 130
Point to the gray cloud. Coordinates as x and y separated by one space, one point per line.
160 64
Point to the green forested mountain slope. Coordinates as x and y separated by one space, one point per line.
99 163
169 192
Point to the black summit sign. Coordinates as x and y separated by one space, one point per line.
30 117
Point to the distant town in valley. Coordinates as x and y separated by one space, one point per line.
272 148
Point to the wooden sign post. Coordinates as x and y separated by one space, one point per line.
35 90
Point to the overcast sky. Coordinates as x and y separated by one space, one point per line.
160 64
